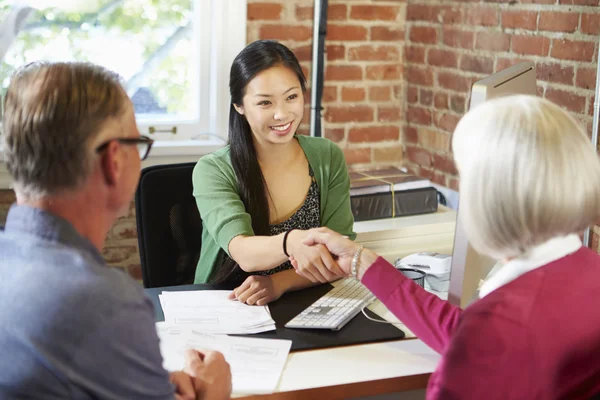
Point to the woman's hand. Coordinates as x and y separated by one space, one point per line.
257 290
342 248
312 261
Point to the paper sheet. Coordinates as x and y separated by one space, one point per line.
211 311
256 364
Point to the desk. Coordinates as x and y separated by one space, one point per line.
375 368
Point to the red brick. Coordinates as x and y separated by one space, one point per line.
590 24
304 13
135 271
389 114
453 183
303 53
353 94
519 19
533 45
492 41
264 11
337 12
374 53
335 134
443 58
373 12
380 93
387 34
447 122
504 63
375 133
412 94
419 156
436 14
481 15
458 38
384 72
285 32
538 1
423 34
480 64
426 173
458 103
586 78
346 32
451 15
558 21
335 52
411 134
440 101
343 73
570 101
357 156
419 76
422 12
439 178
555 72
418 115
415 54
348 114
453 81
573 50
398 92
580 2
444 164
388 155
425 97
329 94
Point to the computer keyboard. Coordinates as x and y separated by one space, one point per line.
335 309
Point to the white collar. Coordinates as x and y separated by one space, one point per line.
538 256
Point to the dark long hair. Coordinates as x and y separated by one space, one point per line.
253 59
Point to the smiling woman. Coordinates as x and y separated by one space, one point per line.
260 196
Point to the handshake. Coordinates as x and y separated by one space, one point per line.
322 255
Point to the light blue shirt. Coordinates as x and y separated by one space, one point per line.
71 327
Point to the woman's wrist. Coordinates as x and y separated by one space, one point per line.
294 238
366 260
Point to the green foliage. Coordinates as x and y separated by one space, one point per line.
121 35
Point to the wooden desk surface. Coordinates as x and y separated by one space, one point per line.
360 370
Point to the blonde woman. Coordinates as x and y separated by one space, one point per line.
530 181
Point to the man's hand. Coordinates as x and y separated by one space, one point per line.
184 385
211 373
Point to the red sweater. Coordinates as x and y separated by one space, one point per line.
537 337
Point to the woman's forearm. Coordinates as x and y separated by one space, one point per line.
257 253
289 280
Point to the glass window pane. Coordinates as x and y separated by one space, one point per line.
151 43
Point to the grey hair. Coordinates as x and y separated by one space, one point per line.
52 113
528 172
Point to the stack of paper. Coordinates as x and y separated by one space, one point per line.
211 311
256 364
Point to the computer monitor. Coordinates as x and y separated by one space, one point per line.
468 266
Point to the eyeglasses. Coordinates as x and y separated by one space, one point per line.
143 143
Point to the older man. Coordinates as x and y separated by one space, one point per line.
70 327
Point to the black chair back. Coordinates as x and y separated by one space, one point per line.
169 225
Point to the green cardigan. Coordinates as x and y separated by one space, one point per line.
224 215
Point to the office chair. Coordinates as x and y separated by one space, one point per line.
169 225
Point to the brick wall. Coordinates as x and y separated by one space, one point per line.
364 86
397 74
451 44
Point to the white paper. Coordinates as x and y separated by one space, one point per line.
212 311
256 364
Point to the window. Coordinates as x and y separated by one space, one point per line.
174 55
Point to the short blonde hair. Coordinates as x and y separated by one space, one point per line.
528 172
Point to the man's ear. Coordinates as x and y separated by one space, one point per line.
239 109
110 164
